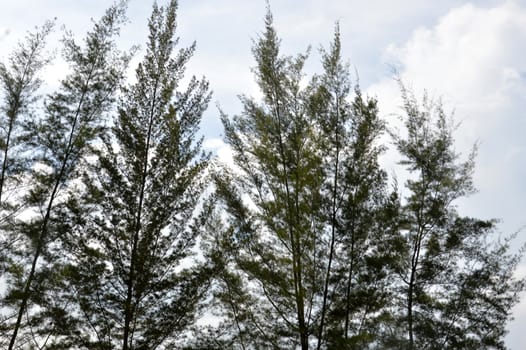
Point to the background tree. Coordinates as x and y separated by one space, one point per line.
72 119
136 284
458 286
20 82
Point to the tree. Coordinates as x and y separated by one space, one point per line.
19 82
358 214
72 119
458 285
136 284
307 188
275 235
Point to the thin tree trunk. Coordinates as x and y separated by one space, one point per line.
128 307
412 281
5 160
40 244
304 336
348 290
295 246
410 311
43 232
414 265
333 232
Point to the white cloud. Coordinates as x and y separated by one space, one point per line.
472 56
222 150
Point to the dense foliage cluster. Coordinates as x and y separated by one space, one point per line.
118 231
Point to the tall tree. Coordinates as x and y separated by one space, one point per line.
357 222
458 285
312 195
331 107
136 284
274 205
20 82
72 119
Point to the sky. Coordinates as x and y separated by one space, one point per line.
469 54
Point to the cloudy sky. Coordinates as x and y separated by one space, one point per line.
472 54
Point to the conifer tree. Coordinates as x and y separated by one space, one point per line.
356 208
314 149
275 235
20 82
136 282
332 109
458 286
72 118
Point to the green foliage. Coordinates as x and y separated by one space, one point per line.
355 211
19 81
457 285
304 211
276 248
138 285
317 249
72 118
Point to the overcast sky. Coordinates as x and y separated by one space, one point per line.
472 54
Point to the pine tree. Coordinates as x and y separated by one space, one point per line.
274 230
20 82
312 195
331 107
458 286
356 208
72 119
137 284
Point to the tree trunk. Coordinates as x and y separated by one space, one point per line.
128 308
